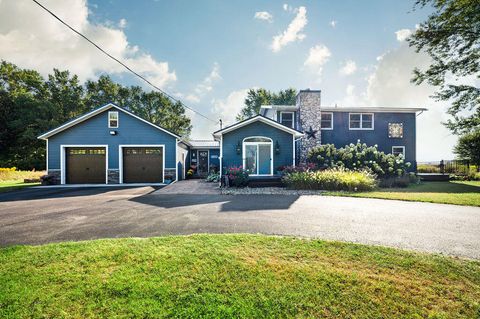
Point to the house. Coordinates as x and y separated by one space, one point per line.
282 135
111 145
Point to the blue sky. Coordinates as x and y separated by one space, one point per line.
209 53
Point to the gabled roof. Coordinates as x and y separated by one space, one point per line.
99 110
262 119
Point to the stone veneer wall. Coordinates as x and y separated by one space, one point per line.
308 102
172 172
57 176
113 176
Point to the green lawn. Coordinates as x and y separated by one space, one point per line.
6 186
224 276
454 192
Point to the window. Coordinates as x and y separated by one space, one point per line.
286 118
397 150
361 121
112 119
326 121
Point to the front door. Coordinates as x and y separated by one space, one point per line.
202 166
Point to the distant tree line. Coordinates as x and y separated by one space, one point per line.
31 105
258 97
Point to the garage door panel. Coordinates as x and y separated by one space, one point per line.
143 165
86 165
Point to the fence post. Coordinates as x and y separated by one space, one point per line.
442 167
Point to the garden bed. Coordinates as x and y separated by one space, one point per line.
269 191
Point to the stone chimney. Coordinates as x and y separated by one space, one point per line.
308 103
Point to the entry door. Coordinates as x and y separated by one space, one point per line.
258 160
202 168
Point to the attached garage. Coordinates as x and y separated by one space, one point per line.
142 164
86 165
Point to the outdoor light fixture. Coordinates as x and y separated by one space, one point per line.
277 148
239 148
113 132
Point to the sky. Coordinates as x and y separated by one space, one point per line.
209 53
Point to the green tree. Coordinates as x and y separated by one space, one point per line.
258 97
451 36
468 147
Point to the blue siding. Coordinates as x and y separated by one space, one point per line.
341 135
214 156
230 140
95 131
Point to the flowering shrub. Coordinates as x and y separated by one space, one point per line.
213 177
357 157
237 176
332 179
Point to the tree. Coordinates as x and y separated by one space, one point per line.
451 36
468 147
258 97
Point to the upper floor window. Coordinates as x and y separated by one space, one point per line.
361 121
397 150
112 119
326 121
287 118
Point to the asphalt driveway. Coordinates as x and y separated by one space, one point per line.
42 215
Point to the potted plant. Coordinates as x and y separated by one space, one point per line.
280 169
168 179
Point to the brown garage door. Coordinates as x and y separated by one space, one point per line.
86 165
143 165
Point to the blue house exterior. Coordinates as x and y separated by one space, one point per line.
259 145
100 144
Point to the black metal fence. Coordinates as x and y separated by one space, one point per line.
457 167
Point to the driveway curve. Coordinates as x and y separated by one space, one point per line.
43 215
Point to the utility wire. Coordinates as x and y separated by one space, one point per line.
121 63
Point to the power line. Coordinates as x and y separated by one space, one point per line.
121 63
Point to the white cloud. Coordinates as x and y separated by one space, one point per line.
206 85
293 31
333 23
122 23
287 7
228 108
264 15
317 57
31 38
348 68
403 34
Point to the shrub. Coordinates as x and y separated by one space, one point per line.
331 179
213 177
428 168
299 168
237 176
358 157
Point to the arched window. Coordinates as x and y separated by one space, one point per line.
257 139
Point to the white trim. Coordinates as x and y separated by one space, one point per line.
108 119
361 121
258 143
46 166
120 158
63 166
293 117
95 112
294 146
331 122
261 119
402 147
208 159
221 157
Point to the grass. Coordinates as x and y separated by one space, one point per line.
225 276
454 192
13 179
